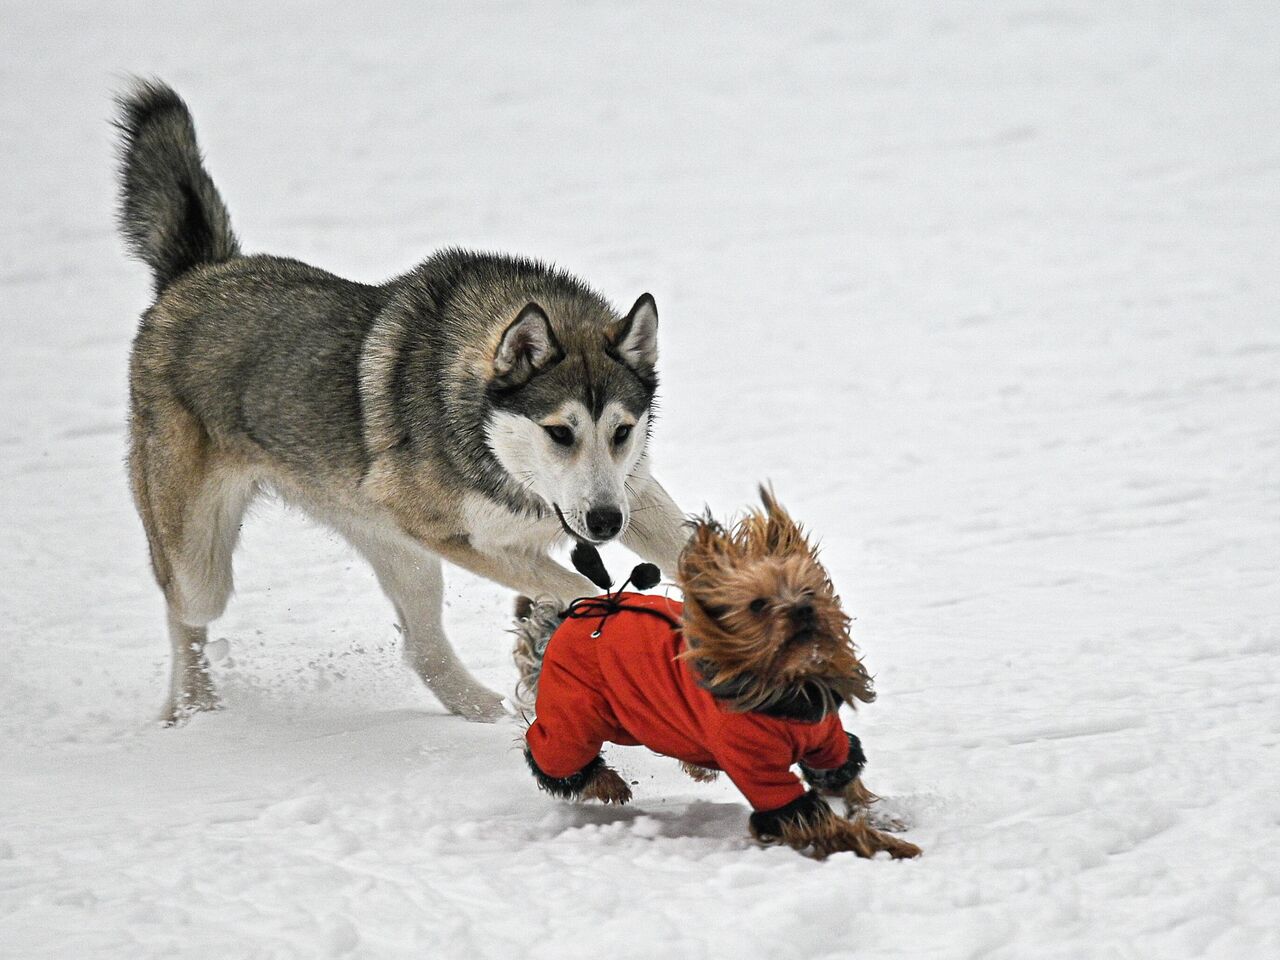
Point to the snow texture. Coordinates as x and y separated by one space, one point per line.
988 290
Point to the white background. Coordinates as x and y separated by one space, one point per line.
988 290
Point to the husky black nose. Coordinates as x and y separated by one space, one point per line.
604 522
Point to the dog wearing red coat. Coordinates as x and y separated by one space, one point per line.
746 676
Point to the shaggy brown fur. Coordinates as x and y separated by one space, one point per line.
765 629
761 613
857 797
826 833
606 786
761 616
699 774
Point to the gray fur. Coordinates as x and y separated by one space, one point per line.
170 213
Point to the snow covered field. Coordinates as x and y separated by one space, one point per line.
988 290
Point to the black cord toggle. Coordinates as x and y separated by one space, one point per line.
586 560
644 576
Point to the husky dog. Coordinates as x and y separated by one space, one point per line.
478 409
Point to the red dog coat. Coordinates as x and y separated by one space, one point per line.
627 687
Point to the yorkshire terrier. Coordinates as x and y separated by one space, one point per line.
746 676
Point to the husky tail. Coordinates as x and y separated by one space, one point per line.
170 213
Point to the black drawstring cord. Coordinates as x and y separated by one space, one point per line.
643 577
586 607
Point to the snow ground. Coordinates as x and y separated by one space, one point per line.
988 290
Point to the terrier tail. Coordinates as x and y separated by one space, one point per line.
170 215
536 621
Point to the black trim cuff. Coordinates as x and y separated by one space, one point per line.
802 813
837 779
566 787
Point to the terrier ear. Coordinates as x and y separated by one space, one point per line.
707 534
769 499
705 547
528 346
782 534
635 339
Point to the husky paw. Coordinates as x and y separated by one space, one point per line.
177 711
483 706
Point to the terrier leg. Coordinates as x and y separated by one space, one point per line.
596 781
700 774
807 823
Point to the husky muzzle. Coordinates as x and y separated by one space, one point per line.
603 524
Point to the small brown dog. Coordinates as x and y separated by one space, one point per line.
747 676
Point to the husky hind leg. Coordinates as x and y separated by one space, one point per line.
191 502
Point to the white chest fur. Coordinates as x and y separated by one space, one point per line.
494 527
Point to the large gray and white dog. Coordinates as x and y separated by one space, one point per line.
478 409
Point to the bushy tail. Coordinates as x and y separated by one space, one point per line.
170 213
536 621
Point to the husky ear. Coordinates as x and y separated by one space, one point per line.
527 347
636 338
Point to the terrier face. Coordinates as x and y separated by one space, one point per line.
761 613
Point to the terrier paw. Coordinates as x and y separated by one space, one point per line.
857 797
523 607
899 849
607 787
858 802
857 836
700 774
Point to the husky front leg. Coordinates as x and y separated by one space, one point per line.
657 531
413 581
532 574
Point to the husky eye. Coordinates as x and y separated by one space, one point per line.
561 435
620 435
757 605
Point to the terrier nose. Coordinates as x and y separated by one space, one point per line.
802 614
603 523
